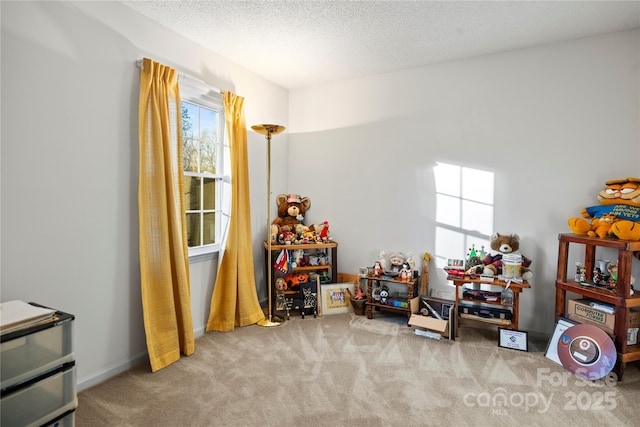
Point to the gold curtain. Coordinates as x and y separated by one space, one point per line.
234 301
164 261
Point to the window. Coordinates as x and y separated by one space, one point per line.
203 155
464 210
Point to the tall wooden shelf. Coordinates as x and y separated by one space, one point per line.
621 298
329 249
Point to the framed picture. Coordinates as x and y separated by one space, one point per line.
455 264
552 348
513 339
441 306
335 298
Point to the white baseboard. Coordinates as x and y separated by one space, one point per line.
86 383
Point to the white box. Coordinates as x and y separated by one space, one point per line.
442 327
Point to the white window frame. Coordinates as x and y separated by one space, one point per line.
196 92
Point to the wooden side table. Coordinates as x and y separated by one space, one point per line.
515 287
371 303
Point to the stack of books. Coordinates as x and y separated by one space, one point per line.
17 315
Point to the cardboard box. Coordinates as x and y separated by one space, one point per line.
633 326
442 327
580 311
633 321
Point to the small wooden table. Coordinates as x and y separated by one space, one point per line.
371 303
515 287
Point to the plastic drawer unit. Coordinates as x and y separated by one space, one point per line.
38 374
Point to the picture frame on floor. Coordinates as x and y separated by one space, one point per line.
513 339
335 298
562 324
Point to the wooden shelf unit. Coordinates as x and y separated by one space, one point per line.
371 303
333 265
621 298
330 249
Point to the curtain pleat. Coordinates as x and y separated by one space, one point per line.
164 261
234 301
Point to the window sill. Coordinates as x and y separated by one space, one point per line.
203 253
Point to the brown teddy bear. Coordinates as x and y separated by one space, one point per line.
502 244
291 210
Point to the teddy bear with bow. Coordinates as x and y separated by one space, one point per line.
502 244
291 210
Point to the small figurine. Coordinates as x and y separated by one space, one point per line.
613 272
472 252
597 276
280 287
384 295
579 267
377 269
583 274
359 294
405 272
310 302
482 253
396 260
382 259
613 276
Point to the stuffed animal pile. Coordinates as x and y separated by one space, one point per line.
617 215
502 244
288 229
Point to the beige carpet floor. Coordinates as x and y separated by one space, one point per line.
347 370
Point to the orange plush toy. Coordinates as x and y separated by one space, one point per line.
618 214
294 280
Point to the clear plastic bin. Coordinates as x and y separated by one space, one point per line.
26 354
39 403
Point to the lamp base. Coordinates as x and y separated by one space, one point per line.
268 322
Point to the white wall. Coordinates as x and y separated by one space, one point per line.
69 166
552 122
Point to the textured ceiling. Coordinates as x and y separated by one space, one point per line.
304 43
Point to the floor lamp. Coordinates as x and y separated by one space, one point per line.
267 131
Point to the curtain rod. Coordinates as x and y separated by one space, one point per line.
139 64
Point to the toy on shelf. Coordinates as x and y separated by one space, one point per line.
280 286
501 246
321 232
396 260
377 269
395 266
581 272
291 210
406 272
294 280
617 215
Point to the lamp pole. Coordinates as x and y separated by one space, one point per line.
267 130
